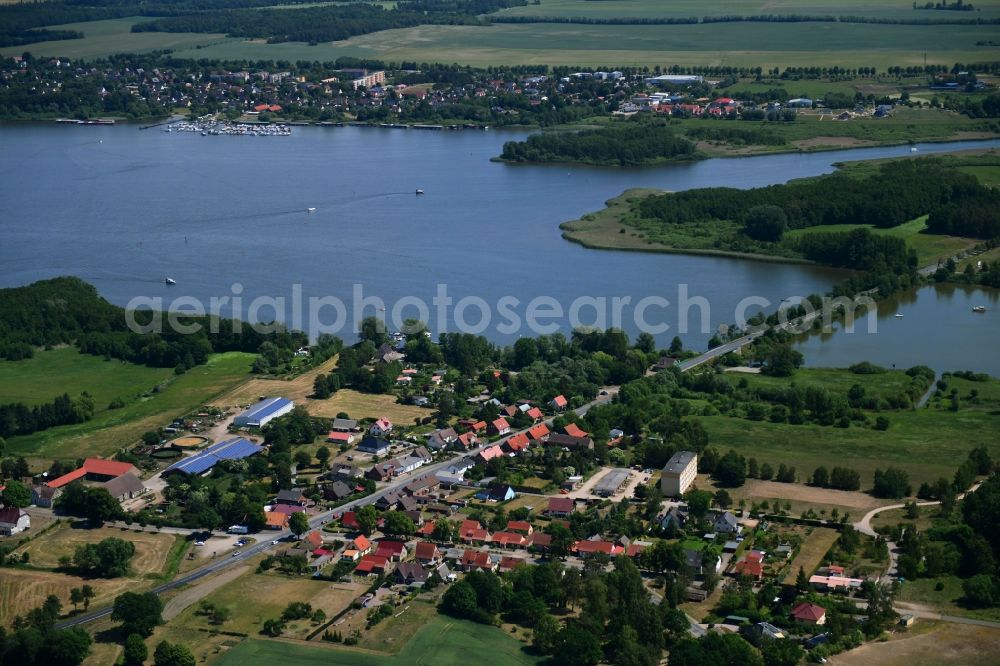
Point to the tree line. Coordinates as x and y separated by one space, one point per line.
19 419
618 623
974 215
738 18
626 144
898 192
67 310
328 23
35 641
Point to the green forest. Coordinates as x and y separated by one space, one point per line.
630 144
328 22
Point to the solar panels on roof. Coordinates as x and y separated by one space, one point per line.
232 449
265 410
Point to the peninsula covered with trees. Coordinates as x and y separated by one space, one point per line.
859 218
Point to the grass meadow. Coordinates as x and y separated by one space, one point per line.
927 443
367 405
929 247
51 373
763 44
109 430
442 641
254 598
102 38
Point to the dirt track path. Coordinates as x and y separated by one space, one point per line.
195 593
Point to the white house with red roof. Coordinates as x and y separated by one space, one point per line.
381 427
499 427
13 521
539 433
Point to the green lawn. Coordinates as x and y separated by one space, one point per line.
987 175
946 601
112 429
927 443
52 373
441 642
929 247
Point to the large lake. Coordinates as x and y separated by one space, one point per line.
228 216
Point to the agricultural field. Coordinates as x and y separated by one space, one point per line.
103 38
24 589
152 550
788 44
927 644
442 641
51 373
687 8
254 598
297 389
367 405
112 429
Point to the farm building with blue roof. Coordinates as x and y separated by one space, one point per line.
265 410
230 449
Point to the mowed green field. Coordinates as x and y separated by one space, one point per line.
51 373
929 247
927 443
759 44
441 642
689 8
110 430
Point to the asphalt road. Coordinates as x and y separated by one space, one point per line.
607 395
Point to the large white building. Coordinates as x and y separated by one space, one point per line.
265 410
679 473
675 79
13 521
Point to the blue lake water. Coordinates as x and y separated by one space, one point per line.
124 209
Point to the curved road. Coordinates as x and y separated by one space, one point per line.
865 524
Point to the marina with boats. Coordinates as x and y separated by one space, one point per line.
217 128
